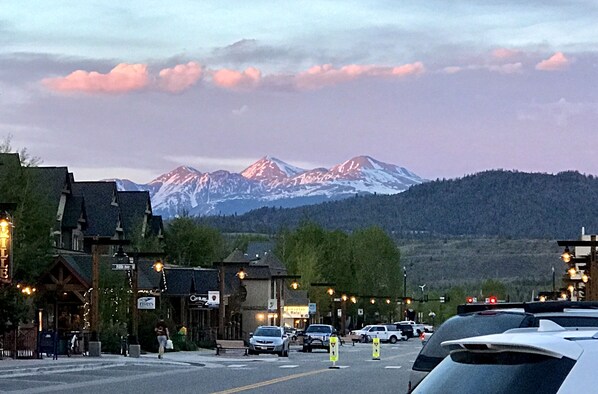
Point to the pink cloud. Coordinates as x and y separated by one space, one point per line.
504 53
232 79
180 77
325 75
122 78
556 62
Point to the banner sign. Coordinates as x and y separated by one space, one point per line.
146 303
5 251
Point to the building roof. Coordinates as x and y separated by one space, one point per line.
257 249
236 257
134 206
156 226
186 281
101 205
74 213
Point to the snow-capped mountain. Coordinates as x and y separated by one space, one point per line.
269 182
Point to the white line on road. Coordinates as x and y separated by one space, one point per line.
237 365
393 367
288 366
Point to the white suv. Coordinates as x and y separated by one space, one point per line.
547 359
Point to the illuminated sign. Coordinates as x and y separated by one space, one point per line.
5 251
296 312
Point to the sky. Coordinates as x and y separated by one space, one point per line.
135 89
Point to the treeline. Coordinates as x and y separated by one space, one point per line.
488 204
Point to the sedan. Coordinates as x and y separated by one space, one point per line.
269 339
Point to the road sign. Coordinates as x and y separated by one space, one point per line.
360 312
312 308
123 267
376 348
334 351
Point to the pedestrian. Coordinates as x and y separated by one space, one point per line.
162 336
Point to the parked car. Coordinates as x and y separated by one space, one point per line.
417 328
317 336
406 329
291 333
269 339
548 359
497 318
362 332
386 333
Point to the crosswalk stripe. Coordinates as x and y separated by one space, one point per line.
288 366
392 367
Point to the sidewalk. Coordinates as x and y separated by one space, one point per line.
201 357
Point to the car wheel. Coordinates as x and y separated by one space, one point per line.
286 353
393 339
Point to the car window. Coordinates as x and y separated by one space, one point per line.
464 326
498 373
320 329
572 321
267 332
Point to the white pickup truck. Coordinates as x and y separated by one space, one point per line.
417 327
386 333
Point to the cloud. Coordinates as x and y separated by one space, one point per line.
325 75
122 78
559 112
509 68
179 77
231 79
504 53
238 112
556 62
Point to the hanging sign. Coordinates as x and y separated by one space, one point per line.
146 303
213 298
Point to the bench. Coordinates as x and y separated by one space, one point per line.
222 344
350 338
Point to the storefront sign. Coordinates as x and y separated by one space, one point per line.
296 311
5 251
146 303
198 300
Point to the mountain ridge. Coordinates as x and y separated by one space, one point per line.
269 182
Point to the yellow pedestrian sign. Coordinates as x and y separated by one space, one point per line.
376 349
334 351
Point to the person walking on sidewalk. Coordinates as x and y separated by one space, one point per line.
162 336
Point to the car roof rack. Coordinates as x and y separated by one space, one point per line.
529 307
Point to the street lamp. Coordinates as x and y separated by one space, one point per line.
6 229
280 293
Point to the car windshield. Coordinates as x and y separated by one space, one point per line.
267 332
319 329
464 326
497 373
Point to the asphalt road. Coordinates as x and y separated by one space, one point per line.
232 373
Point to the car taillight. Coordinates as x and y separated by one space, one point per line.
422 336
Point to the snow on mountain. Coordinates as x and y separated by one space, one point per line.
270 168
269 182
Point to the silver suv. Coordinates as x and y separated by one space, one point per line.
317 336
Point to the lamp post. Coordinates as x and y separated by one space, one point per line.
330 291
241 274
280 293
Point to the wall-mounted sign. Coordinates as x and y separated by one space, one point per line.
5 251
146 303
123 267
198 300
272 305
213 298
296 311
359 312
312 308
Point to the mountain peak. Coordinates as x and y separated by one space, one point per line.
269 167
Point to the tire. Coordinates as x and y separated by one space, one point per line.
328 350
393 339
280 354
286 353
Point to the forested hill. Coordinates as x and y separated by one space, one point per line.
492 203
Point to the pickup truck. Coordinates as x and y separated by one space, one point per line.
386 333
417 328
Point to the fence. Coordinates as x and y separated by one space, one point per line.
19 343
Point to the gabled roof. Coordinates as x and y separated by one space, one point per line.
102 215
276 266
258 249
236 257
74 213
133 209
51 182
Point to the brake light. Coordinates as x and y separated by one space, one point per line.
422 336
